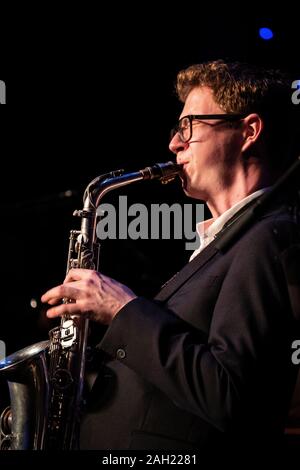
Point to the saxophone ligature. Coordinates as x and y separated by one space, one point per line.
46 379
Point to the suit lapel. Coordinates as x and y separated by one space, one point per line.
204 256
186 272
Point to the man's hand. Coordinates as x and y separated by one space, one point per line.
92 294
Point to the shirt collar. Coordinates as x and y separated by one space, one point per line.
209 228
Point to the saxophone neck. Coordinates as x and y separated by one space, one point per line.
165 172
100 186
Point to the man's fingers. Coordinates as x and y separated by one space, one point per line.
56 294
54 301
71 309
77 274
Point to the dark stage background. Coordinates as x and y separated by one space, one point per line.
89 92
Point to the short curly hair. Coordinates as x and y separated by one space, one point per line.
243 88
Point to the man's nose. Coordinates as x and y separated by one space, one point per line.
176 145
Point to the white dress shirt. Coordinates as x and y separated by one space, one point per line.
208 229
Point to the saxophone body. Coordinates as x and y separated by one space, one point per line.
46 379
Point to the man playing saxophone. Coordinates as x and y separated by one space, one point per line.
207 363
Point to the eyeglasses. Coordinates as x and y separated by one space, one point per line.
185 125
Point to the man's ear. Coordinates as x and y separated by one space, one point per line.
252 129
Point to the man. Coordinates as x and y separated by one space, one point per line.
208 361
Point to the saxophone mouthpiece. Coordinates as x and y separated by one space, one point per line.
165 172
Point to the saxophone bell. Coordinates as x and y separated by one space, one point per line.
23 423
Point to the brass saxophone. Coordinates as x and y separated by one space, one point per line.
46 379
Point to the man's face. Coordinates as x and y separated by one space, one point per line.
213 154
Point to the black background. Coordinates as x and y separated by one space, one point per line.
90 91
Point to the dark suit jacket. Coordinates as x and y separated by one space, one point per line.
209 359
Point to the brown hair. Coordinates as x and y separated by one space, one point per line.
243 88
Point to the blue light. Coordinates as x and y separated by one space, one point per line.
266 33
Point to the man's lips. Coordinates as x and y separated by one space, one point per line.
183 164
184 168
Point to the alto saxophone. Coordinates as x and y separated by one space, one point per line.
46 379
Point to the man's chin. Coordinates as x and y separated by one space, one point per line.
190 191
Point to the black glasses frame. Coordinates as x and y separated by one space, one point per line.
201 117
